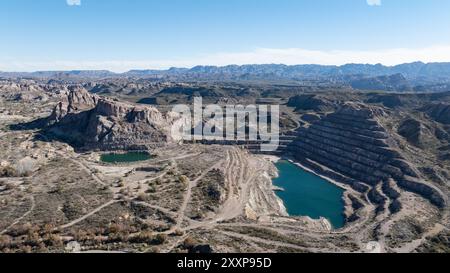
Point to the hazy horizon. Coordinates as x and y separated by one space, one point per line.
121 35
219 66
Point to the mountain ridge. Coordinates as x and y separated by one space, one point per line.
417 76
414 69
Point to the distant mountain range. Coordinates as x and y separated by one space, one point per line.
409 70
408 76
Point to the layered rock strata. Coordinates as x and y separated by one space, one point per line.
352 147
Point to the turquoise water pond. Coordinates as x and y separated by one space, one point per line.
125 158
306 194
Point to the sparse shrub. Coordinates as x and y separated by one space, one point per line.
115 228
148 237
118 237
143 237
154 249
151 189
8 171
162 227
57 189
53 240
141 197
47 229
33 239
189 243
20 230
5 241
117 232
183 179
25 166
42 248
178 232
80 236
71 211
25 249
160 239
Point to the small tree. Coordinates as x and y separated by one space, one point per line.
141 197
151 189
184 179
178 232
160 239
189 243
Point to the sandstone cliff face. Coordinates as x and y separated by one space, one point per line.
77 100
352 147
91 122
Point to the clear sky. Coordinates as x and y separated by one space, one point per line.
125 34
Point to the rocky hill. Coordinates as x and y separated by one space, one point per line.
184 94
311 102
396 82
440 112
91 122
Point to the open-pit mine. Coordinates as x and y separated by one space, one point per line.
91 166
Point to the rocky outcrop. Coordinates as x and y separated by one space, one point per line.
439 112
396 82
77 100
352 147
91 122
311 102
387 100
415 132
422 189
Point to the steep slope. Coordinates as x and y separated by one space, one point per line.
439 112
311 102
352 147
396 82
416 133
91 122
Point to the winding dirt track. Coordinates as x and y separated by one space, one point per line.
410 247
260 240
82 165
114 201
235 180
20 218
238 179
240 174
88 215
188 194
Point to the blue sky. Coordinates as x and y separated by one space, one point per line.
125 34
